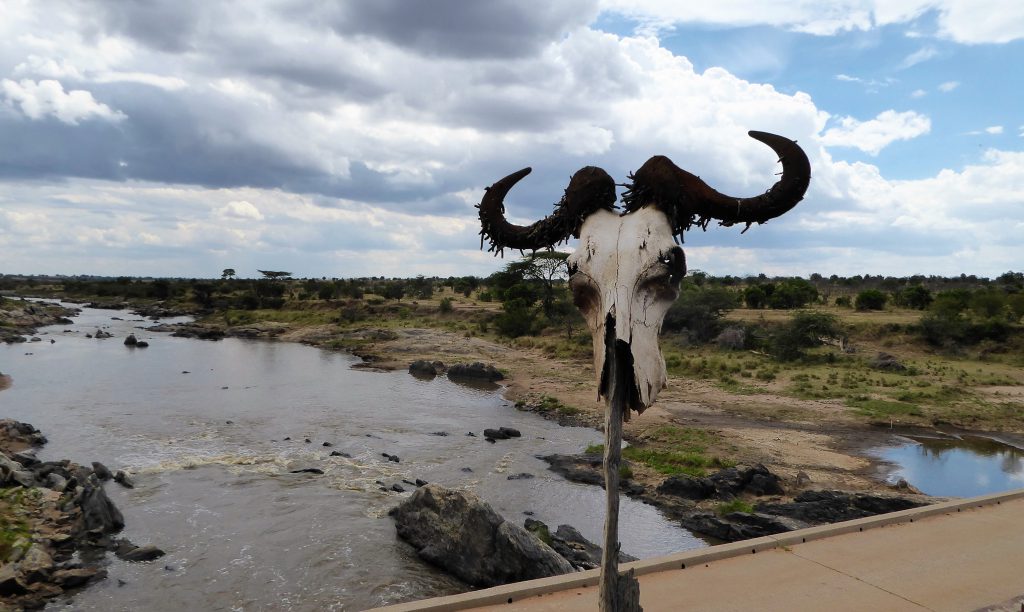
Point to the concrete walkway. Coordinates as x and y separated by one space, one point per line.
959 555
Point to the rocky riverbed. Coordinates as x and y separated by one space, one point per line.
739 503
56 522
19 319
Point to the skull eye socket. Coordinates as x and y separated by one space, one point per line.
584 294
675 260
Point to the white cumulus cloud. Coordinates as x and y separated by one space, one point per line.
47 97
949 86
240 209
873 135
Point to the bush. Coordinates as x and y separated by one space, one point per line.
805 330
988 304
732 339
446 305
1016 303
871 299
698 310
326 292
517 319
792 293
755 297
915 296
844 301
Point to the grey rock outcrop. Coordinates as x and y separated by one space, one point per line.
568 542
725 484
99 514
736 526
461 533
820 507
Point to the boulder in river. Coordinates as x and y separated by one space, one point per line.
99 514
140 553
461 533
478 371
131 340
101 471
426 369
122 478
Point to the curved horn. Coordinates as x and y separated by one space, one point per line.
589 189
692 201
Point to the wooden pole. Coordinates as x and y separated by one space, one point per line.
618 593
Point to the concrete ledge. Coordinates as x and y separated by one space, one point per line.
516 592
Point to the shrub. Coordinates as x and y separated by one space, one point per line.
805 330
698 311
870 299
844 301
445 305
755 297
792 293
732 339
915 296
517 319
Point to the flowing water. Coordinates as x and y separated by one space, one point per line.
202 425
960 466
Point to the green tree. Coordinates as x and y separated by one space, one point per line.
274 274
393 290
544 268
228 273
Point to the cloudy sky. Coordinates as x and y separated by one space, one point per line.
353 138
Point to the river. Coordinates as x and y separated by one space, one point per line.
203 426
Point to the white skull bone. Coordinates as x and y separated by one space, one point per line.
627 269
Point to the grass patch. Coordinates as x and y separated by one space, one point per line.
15 534
735 505
553 404
878 408
668 462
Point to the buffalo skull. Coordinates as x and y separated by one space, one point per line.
625 273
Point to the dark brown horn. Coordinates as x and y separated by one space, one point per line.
691 200
589 189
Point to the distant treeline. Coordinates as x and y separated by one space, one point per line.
534 297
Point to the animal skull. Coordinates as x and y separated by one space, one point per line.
625 273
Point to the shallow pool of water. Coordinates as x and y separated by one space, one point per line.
966 466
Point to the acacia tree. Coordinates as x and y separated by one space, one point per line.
227 273
546 268
274 275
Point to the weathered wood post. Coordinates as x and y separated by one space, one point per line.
619 593
624 276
